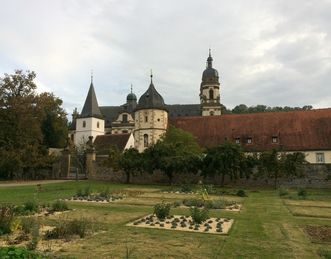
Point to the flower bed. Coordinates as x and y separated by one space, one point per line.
185 223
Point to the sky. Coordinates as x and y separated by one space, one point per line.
272 52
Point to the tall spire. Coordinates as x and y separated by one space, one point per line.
151 76
91 107
210 60
131 88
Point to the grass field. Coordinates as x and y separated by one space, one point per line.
266 227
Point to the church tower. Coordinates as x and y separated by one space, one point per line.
90 122
210 90
151 118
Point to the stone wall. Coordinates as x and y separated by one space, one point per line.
315 176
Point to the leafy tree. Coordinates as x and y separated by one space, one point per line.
225 159
241 108
293 165
23 147
130 161
270 165
176 152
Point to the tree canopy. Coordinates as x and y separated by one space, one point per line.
29 124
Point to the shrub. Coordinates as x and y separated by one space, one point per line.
105 193
87 191
176 204
302 193
79 193
31 206
162 210
283 192
7 218
32 245
241 193
18 252
217 204
28 223
193 202
199 215
59 205
186 188
67 229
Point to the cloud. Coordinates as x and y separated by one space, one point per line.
266 52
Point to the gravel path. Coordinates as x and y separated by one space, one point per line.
24 183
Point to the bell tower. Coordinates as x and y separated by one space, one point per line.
210 90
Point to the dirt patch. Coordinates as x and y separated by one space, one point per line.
25 183
319 234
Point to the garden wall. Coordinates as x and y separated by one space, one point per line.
317 176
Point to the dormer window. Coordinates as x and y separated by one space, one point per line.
237 140
125 118
249 140
274 139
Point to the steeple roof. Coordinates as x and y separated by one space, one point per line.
210 74
91 107
151 99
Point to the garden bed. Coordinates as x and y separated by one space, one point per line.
185 223
96 199
319 234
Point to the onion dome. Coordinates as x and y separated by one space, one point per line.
210 75
151 99
131 97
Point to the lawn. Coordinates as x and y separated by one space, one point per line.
268 226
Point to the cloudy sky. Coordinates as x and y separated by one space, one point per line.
274 52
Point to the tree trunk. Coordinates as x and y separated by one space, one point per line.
222 181
170 176
276 178
128 177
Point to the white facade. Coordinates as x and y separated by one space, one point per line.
210 100
86 127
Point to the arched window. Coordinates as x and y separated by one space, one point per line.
211 113
98 124
84 124
145 140
211 94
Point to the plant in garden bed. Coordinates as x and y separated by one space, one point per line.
302 193
162 210
59 205
241 193
67 229
19 252
8 221
199 215
283 191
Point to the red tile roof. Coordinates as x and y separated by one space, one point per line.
103 143
295 131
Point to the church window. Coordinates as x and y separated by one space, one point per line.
158 119
84 124
211 113
98 125
274 139
145 140
249 140
125 118
146 118
237 140
320 158
211 94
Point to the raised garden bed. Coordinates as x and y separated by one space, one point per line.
185 223
97 198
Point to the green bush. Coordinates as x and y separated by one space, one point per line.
283 192
176 204
59 205
31 206
7 219
162 210
302 193
193 202
28 224
106 194
241 193
12 252
186 188
199 215
87 191
67 229
325 254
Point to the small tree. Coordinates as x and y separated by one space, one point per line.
292 165
130 161
176 152
222 160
